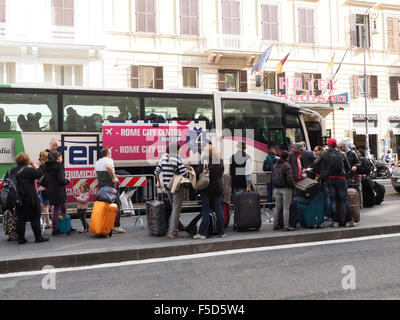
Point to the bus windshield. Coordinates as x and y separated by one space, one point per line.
264 117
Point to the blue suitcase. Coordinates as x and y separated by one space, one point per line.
311 211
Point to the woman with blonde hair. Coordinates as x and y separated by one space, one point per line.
211 197
43 191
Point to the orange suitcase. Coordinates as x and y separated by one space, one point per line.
103 218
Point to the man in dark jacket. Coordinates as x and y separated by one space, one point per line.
29 207
307 157
240 170
337 167
268 166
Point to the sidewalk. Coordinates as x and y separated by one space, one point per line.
86 249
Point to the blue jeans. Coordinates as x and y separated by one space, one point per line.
215 202
327 200
338 192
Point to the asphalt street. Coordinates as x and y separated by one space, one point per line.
315 272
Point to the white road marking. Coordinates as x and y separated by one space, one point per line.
195 256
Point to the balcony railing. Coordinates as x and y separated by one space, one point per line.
63 33
228 42
3 31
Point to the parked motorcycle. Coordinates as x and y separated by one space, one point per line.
380 169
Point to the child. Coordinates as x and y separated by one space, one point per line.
83 200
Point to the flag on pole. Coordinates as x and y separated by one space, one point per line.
331 63
262 59
340 64
281 63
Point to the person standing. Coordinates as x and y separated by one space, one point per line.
337 167
283 184
106 177
240 170
170 164
320 171
56 181
211 197
295 161
82 206
44 192
29 206
267 167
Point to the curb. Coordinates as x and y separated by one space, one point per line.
115 256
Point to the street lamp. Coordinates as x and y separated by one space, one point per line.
365 78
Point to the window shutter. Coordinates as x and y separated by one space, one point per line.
373 87
394 91
274 23
159 83
134 76
243 81
281 91
302 25
317 76
310 26
390 34
299 75
235 16
356 90
396 34
226 17
2 11
353 30
221 80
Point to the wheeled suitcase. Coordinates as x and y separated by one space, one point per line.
368 192
311 211
10 224
247 211
156 222
293 215
213 227
379 190
354 204
103 218
307 188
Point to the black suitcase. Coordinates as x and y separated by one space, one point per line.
247 211
213 227
307 188
293 215
379 190
156 223
368 192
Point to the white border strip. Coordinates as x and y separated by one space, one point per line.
195 256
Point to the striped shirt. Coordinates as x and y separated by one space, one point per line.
167 166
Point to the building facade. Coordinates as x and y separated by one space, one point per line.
213 44
54 42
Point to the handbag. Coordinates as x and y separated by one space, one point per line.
204 178
64 223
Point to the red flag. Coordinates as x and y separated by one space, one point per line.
281 63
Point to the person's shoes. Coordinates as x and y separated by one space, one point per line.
119 230
350 224
58 234
335 225
42 239
22 241
289 229
222 235
83 231
72 230
176 236
199 236
275 228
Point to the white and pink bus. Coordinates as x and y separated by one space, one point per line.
31 116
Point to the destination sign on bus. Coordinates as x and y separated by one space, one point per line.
146 141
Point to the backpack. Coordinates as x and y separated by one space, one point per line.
365 166
335 163
9 194
278 179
